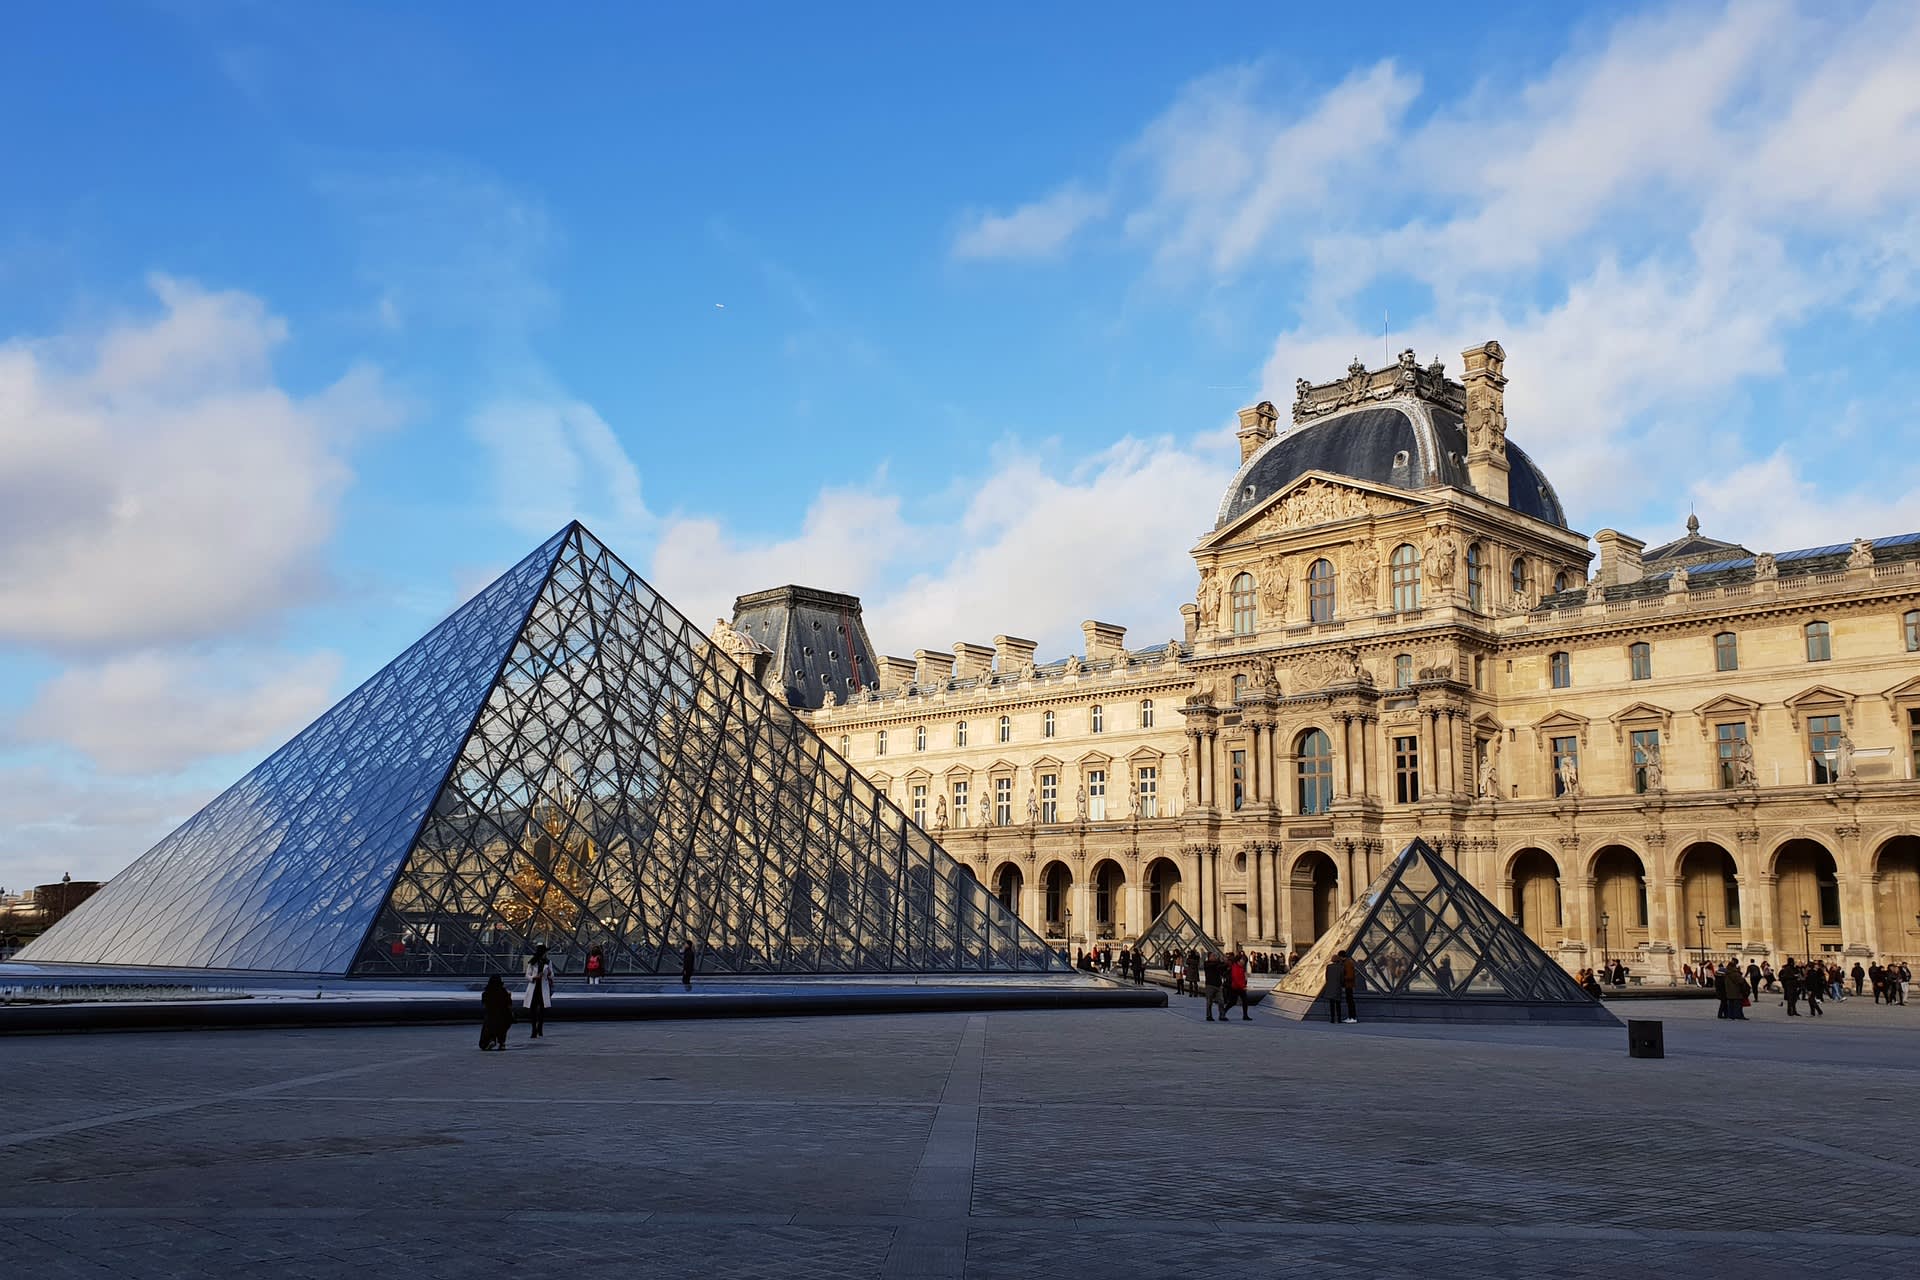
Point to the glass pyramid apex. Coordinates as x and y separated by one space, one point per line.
566 760
1175 932
1426 943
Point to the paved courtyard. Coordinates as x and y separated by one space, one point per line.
1127 1143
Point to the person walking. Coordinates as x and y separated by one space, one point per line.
686 965
1814 987
1341 974
539 995
496 1013
596 965
1902 979
1859 979
1720 976
1753 978
1737 992
1767 977
1216 983
1237 986
1193 972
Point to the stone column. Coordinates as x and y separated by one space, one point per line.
1256 901
1275 910
1768 888
1343 757
1583 924
1369 756
1509 900
1263 755
1082 897
1283 891
1211 920
1136 900
1859 925
1429 753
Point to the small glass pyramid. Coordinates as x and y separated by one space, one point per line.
565 760
1427 945
1174 933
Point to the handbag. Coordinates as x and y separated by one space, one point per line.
1746 1002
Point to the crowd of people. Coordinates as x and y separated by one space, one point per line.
1815 982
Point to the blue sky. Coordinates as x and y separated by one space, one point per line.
314 317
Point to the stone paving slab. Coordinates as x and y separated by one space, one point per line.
1146 1143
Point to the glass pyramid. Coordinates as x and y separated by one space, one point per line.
1426 943
1174 932
564 760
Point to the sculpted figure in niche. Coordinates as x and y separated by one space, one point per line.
1439 560
1362 572
1489 784
1033 808
1275 587
1569 777
1744 774
1080 802
986 808
1648 758
1843 766
939 813
1208 599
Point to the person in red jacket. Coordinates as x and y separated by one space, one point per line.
1237 986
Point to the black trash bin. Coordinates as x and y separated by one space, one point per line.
1646 1038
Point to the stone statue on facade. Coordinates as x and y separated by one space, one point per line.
986 808
1860 554
829 700
1647 756
1844 769
1441 554
1171 653
1488 787
1033 808
1208 599
733 642
939 813
1744 773
1764 566
1569 774
1596 592
1080 803
1073 665
1276 586
1362 575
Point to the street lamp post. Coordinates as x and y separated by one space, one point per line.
1069 916
1700 918
1606 953
1806 934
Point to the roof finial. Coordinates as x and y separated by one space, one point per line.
1693 524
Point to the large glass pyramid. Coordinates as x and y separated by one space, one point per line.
1174 933
1427 945
564 760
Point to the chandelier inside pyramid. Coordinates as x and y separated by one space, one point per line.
565 760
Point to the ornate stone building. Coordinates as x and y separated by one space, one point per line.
1395 633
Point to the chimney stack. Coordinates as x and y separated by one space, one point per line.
1619 558
1487 420
1256 427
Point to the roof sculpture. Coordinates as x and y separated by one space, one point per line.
1174 932
564 760
1428 946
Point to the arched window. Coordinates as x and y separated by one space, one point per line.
880 743
1911 623
1819 642
920 738
1560 667
1146 713
1406 578
1098 717
1640 661
1320 590
960 733
1047 723
1476 579
1402 670
1315 771
1245 610
1519 579
1006 728
1559 583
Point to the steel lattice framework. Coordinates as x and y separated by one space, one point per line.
565 760
1175 932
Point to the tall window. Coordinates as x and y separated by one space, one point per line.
1644 749
1003 802
1829 888
920 738
1730 897
1819 642
959 804
1098 717
1049 797
1913 742
1096 795
1245 608
1149 791
1314 767
1406 578
1566 763
880 743
1726 652
1239 780
1518 579
1006 728
1046 725
1560 669
1640 661
1320 590
1559 583
1403 671
1910 624
960 733
1146 713
1056 899
1727 742
920 804
1476 579
1239 689
846 745
1406 770
1823 741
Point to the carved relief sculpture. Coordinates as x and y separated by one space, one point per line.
1441 553
1764 566
1569 775
1208 599
1860 555
1744 774
1648 758
1363 569
1276 585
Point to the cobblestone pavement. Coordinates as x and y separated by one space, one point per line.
1144 1143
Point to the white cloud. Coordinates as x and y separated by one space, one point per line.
1035 230
159 713
1768 504
86 826
156 485
555 459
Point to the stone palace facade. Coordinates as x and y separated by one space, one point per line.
1695 749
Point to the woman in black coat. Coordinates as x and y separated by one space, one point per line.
496 1014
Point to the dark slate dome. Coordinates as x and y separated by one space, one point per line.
1406 443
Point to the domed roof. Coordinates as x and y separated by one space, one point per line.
1406 442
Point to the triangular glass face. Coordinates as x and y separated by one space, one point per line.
1174 933
1421 930
285 869
628 788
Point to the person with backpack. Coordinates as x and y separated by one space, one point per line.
1341 974
596 966
1237 987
